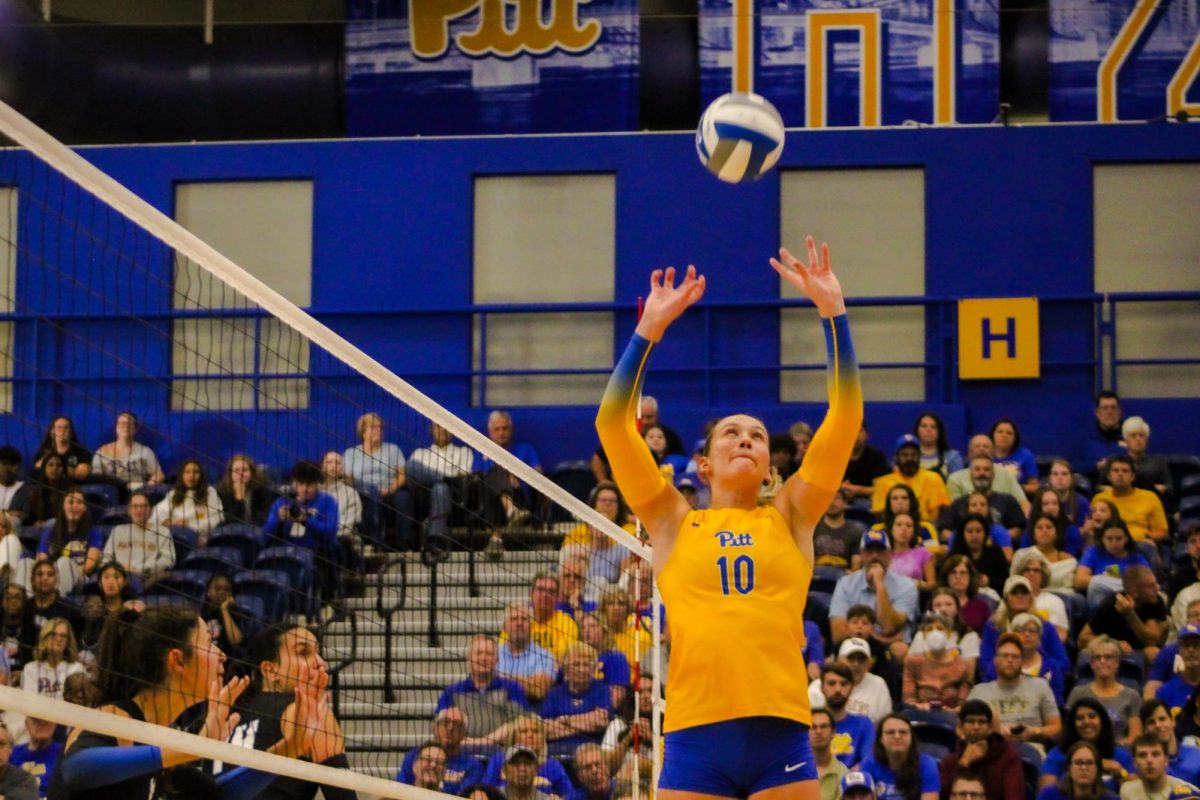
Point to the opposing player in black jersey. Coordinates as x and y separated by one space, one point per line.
280 657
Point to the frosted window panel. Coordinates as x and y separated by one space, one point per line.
1147 240
545 238
264 227
544 341
880 335
8 292
1147 237
874 222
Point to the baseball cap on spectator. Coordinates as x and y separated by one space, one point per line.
874 538
854 645
1023 619
857 779
1017 580
686 482
906 440
10 455
1191 630
518 750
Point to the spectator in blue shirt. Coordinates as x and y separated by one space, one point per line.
529 730
1103 439
449 730
592 773
1176 691
614 669
309 518
893 597
1011 456
1183 761
1100 570
529 664
853 734
377 468
578 710
39 756
488 702
899 769
72 543
506 497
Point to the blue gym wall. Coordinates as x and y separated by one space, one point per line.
1008 212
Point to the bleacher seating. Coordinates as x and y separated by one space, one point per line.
298 564
246 539
182 583
213 560
269 585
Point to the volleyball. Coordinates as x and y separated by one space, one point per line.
740 137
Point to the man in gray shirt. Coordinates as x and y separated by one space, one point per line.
959 484
1024 705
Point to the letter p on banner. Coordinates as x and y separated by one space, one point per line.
998 338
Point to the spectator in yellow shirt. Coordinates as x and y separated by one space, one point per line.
1141 509
928 485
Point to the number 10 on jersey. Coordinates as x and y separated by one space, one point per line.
743 574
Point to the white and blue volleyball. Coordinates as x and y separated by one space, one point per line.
740 137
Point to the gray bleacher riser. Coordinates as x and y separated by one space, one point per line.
379 733
361 730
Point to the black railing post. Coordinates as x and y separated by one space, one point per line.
434 637
335 669
389 692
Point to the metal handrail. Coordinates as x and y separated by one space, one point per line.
335 669
387 614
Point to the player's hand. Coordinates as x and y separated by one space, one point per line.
218 722
667 301
815 278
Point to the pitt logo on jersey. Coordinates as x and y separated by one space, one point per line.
731 539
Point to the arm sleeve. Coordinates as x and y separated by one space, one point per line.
633 466
96 767
243 783
829 452
272 525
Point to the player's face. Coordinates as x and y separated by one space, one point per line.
207 664
738 451
299 646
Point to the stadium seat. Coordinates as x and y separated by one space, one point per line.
934 727
1183 465
214 560
816 609
860 514
247 539
153 600
825 578
182 583
1189 486
1083 485
577 479
271 586
185 541
101 497
1189 508
298 563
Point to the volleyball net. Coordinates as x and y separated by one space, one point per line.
174 413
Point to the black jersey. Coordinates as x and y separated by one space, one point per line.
143 788
259 728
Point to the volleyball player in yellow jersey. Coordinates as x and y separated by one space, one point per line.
734 578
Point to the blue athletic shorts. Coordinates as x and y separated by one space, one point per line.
738 757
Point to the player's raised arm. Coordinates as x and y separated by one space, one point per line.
806 495
656 502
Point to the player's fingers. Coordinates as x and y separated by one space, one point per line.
669 278
826 265
812 252
787 258
655 279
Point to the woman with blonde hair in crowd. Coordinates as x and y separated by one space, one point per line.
1034 662
616 609
1151 472
529 731
614 666
1048 605
55 659
1122 702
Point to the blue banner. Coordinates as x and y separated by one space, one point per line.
858 62
446 67
1125 60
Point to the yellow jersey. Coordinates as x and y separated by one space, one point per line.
734 587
